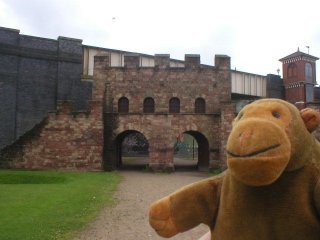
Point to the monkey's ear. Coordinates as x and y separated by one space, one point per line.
311 118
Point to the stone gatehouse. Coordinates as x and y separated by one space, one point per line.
63 108
163 103
160 102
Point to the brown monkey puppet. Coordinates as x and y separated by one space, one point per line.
271 189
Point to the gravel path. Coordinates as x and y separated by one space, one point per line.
128 219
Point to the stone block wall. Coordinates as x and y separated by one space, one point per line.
162 83
227 116
64 140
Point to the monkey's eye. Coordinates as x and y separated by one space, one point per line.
276 114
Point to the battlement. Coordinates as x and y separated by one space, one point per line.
102 61
192 60
161 61
222 62
132 60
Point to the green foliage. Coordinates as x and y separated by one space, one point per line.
51 205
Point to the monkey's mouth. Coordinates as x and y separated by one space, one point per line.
255 152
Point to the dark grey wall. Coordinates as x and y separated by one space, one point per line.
275 88
8 79
35 73
316 93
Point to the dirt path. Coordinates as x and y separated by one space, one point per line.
128 219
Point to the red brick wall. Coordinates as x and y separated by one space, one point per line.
227 116
90 140
162 83
64 140
294 86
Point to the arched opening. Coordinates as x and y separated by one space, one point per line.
132 150
148 105
191 151
123 105
200 105
174 105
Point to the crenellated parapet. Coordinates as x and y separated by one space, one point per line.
222 62
192 60
162 61
102 61
131 60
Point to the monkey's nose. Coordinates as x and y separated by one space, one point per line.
245 134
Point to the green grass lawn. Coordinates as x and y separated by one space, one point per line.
51 205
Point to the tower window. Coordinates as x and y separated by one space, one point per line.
292 70
148 105
200 105
174 105
308 72
123 105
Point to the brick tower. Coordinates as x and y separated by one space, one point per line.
299 77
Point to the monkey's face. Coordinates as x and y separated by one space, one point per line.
259 146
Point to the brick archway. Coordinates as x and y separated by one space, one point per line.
117 159
162 125
203 149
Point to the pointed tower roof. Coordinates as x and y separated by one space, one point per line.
299 56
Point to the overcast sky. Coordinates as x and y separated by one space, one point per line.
255 34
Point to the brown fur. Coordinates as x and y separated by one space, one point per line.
271 189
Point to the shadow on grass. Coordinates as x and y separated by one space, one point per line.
18 178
